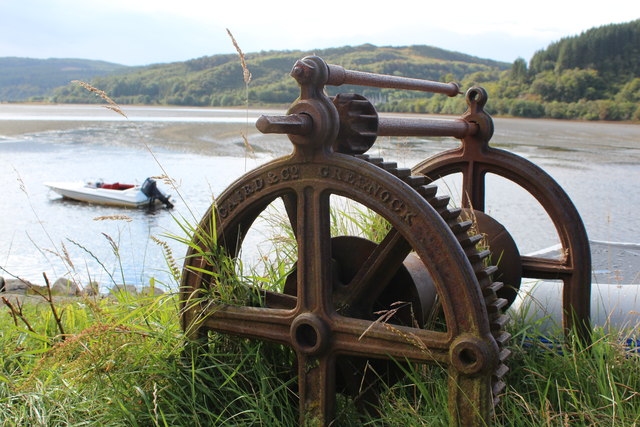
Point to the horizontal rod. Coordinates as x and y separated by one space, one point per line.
338 76
292 124
301 124
399 126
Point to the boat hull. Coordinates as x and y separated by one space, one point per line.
130 198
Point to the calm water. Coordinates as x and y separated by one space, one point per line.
598 164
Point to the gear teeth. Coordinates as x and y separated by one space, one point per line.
491 289
498 323
503 339
415 180
501 371
497 305
439 202
498 388
427 191
475 256
402 173
366 134
454 212
388 166
376 161
469 242
462 227
496 402
486 272
450 215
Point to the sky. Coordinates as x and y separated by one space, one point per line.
142 32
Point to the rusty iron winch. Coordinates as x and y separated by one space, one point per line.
327 308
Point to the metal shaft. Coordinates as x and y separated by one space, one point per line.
339 76
301 124
400 126
292 124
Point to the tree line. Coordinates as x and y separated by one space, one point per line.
592 76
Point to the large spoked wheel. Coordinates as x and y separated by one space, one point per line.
474 159
325 320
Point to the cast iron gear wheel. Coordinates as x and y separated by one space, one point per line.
474 159
478 259
472 347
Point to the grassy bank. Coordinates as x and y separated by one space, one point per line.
126 362
92 360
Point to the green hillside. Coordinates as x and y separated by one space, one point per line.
218 80
25 78
592 76
612 50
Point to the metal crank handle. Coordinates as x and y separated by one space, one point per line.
339 76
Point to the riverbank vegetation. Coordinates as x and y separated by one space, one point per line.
591 76
126 361
22 79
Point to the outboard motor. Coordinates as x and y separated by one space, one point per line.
150 189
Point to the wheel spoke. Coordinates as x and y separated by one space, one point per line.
314 250
316 385
290 206
575 291
376 272
545 268
278 300
468 397
473 187
248 322
382 340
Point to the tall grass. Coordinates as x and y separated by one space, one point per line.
126 361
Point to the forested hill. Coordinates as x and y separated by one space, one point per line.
25 78
612 50
592 76
218 80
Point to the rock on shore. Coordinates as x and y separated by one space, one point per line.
68 288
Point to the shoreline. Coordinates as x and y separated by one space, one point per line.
221 130
281 108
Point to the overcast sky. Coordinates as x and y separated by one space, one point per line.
141 32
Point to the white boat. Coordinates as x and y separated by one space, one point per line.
114 194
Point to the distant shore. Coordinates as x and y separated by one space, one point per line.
227 139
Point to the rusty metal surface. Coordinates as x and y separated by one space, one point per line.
401 126
316 329
474 159
327 309
504 253
338 76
